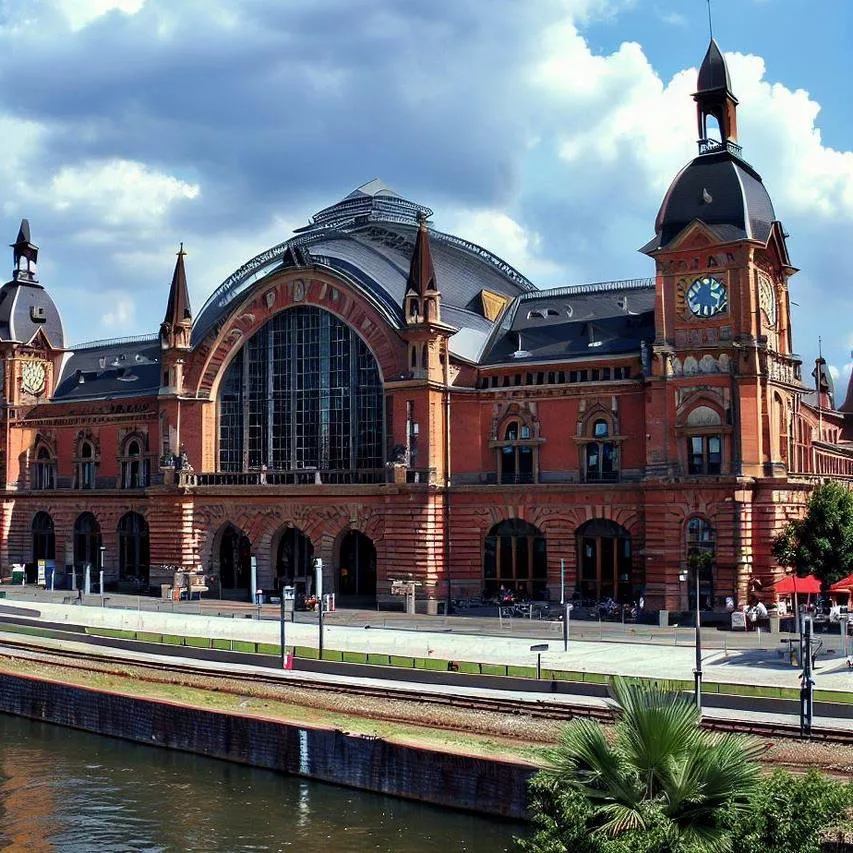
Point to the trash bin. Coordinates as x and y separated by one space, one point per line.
432 607
165 591
18 575
663 618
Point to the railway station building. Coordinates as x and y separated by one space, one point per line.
403 403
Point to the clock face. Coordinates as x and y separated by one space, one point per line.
767 299
707 297
33 377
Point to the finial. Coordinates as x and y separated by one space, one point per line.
710 21
422 217
181 252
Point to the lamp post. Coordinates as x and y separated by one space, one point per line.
697 671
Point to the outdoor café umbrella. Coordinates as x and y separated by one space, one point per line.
844 585
809 585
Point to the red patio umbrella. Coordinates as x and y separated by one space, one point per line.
844 585
809 585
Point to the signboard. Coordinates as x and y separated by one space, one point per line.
738 620
41 580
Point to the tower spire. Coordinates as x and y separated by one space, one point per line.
177 324
25 255
716 101
422 298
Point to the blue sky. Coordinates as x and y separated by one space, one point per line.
547 130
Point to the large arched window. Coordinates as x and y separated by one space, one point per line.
304 392
133 548
87 541
44 539
605 563
701 549
515 558
704 441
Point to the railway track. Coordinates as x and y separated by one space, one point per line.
534 708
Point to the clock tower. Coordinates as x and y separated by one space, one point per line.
32 341
723 383
723 336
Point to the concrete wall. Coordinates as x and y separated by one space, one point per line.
448 780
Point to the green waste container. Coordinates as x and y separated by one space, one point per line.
18 576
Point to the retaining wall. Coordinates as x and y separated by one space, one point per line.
442 779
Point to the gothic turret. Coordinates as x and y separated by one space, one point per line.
177 324
422 299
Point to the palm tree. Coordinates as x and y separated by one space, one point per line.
658 773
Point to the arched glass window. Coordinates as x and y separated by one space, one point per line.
44 470
701 549
605 563
303 392
133 548
87 540
44 539
134 467
86 466
517 459
515 559
600 456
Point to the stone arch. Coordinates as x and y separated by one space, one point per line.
357 569
323 290
232 552
515 559
291 558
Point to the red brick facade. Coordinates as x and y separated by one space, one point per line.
708 420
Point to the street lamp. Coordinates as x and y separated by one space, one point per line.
683 576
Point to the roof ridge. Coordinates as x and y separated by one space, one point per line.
596 287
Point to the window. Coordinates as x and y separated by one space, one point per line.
600 455
303 392
133 548
86 466
44 540
44 470
515 457
704 454
515 558
87 541
134 468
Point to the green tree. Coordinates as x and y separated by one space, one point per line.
821 542
788 813
660 784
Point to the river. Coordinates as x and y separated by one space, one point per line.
63 791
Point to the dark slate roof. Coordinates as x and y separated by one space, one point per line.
369 237
24 309
714 73
722 191
609 318
127 367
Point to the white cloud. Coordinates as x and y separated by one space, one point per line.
499 233
118 192
81 13
121 313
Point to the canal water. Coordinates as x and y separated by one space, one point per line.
71 792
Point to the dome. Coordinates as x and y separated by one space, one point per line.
722 191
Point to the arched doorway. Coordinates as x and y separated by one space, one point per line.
293 566
701 547
133 549
357 573
44 539
515 558
605 565
235 560
87 541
